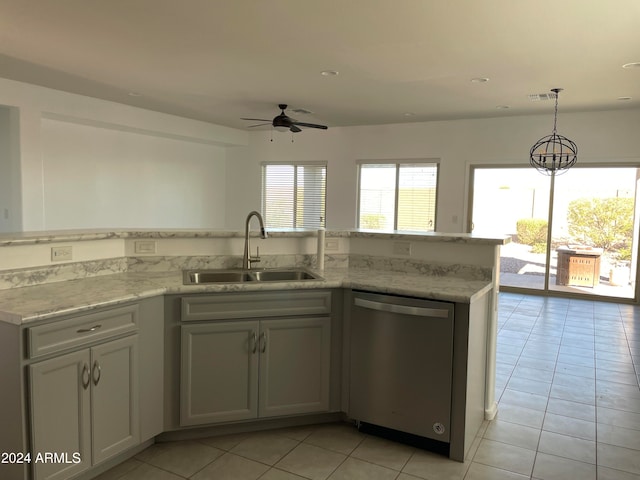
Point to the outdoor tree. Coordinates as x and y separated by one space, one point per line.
605 223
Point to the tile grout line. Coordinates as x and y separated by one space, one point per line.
555 367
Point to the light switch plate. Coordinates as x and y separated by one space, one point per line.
61 254
402 248
331 244
145 246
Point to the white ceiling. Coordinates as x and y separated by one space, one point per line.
219 60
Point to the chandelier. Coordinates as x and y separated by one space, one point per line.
553 154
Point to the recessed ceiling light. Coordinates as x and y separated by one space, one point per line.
624 98
502 107
329 73
479 80
631 65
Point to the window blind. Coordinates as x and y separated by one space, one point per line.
294 195
377 196
417 197
399 196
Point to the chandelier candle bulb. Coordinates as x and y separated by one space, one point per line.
320 259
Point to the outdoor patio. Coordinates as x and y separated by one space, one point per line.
521 268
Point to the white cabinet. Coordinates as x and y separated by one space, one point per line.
256 367
85 403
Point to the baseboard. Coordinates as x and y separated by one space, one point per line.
491 412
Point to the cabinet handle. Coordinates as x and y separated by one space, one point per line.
87 330
85 375
263 342
96 368
255 343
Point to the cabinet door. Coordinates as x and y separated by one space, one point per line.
219 372
294 366
114 399
60 415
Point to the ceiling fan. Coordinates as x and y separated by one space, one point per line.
283 122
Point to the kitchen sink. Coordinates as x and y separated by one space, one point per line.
197 277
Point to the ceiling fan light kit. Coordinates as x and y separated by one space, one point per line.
283 122
553 154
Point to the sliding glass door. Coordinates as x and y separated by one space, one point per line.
575 233
515 202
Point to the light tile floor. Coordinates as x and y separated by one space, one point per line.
569 408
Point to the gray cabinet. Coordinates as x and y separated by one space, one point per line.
271 359
90 384
294 366
85 403
87 386
219 372
60 413
114 390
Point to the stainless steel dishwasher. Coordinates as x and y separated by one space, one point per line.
401 368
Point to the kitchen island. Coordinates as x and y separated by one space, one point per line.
146 281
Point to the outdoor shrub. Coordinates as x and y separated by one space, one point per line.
374 221
624 253
539 247
532 231
605 223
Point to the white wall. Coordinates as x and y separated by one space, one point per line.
104 178
6 169
601 137
89 163
10 211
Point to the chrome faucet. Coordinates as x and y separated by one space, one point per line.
247 259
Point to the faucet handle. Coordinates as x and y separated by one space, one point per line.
255 259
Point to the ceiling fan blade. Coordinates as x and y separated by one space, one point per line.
256 119
295 129
259 125
310 125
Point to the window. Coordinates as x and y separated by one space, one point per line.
397 196
294 195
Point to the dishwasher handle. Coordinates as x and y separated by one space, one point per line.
403 309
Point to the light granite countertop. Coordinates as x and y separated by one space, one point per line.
32 238
31 304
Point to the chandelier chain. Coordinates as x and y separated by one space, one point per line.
555 115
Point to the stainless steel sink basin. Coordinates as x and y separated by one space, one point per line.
281 275
193 277
197 277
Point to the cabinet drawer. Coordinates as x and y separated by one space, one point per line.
64 334
255 304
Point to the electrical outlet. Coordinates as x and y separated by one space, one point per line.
402 248
145 246
61 254
331 244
